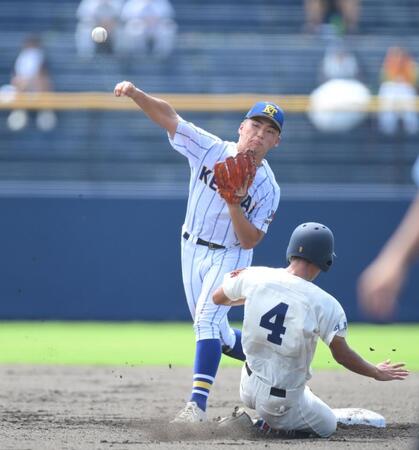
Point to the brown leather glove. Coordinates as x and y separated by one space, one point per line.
235 175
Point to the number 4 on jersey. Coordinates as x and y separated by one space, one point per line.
273 320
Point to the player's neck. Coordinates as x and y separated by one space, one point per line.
303 269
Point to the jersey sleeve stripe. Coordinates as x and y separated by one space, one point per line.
179 146
194 142
202 132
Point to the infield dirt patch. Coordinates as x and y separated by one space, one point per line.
48 407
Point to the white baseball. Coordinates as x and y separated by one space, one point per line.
99 34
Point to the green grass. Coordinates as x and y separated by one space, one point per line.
139 343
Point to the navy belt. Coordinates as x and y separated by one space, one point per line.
274 391
200 241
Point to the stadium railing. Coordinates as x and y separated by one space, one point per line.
190 102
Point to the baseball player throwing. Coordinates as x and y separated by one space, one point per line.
284 315
220 230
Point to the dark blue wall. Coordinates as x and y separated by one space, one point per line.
109 259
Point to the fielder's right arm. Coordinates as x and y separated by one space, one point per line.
220 298
158 110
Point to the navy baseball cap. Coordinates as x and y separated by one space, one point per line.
268 110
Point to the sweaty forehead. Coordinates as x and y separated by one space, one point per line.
264 120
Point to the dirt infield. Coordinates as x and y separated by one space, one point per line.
130 407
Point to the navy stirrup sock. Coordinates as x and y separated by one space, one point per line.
207 360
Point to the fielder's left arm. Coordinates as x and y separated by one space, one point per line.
249 236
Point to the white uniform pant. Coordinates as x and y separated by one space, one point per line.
299 410
203 271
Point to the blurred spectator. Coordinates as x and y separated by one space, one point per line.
397 93
30 74
343 14
339 62
149 27
98 13
339 103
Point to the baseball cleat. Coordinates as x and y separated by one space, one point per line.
262 427
239 417
191 413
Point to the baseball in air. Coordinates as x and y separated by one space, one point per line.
99 34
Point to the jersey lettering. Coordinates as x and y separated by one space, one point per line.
203 176
273 320
213 184
341 326
245 204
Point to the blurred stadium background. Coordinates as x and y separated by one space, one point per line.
91 210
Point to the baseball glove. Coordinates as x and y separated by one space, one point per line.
232 174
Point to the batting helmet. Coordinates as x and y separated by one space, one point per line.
314 242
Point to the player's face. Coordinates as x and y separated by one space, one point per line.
258 134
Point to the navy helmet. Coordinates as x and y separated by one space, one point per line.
314 242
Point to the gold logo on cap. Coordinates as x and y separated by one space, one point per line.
270 110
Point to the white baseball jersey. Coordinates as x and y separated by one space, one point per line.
283 318
207 215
